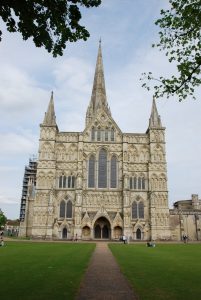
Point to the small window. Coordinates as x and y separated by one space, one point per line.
143 183
106 135
64 181
98 135
73 182
112 135
131 183
60 182
93 134
69 182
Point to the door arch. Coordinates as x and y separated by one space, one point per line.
102 229
138 234
64 233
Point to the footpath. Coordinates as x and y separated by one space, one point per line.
103 279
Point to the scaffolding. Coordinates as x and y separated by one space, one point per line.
29 173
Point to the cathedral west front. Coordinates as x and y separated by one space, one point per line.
100 183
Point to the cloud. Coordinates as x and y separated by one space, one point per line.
15 144
8 200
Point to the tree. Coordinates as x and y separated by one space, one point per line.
180 38
51 23
2 219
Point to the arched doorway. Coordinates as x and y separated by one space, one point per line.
138 234
64 233
102 228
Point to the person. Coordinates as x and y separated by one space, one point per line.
76 237
2 242
124 239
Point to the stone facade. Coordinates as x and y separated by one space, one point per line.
185 219
99 183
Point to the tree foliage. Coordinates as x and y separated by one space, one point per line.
180 38
2 219
51 23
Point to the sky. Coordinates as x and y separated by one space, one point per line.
29 74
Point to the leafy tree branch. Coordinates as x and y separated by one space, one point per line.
180 38
51 23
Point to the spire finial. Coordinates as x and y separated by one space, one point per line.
50 118
154 120
100 41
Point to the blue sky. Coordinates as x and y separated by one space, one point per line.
29 74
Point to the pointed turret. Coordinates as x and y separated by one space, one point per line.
50 118
155 120
98 96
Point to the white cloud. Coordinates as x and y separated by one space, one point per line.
17 144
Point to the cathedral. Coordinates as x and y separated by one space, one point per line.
100 183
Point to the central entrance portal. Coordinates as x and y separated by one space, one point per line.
102 229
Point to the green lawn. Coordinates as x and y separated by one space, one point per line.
171 271
42 270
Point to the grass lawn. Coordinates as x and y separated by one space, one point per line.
42 270
171 271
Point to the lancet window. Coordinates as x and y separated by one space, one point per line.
137 210
102 172
103 135
137 183
66 209
67 182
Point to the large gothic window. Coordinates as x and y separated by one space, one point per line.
137 210
62 209
69 209
102 169
113 172
66 209
141 210
91 172
134 210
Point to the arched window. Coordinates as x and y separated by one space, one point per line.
106 135
98 135
91 172
62 209
135 183
73 181
112 135
139 183
131 183
134 210
143 183
137 210
69 181
64 181
102 169
141 210
113 172
69 209
93 134
60 181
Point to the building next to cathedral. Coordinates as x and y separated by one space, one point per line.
102 183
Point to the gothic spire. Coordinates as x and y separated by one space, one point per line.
50 118
155 120
98 96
